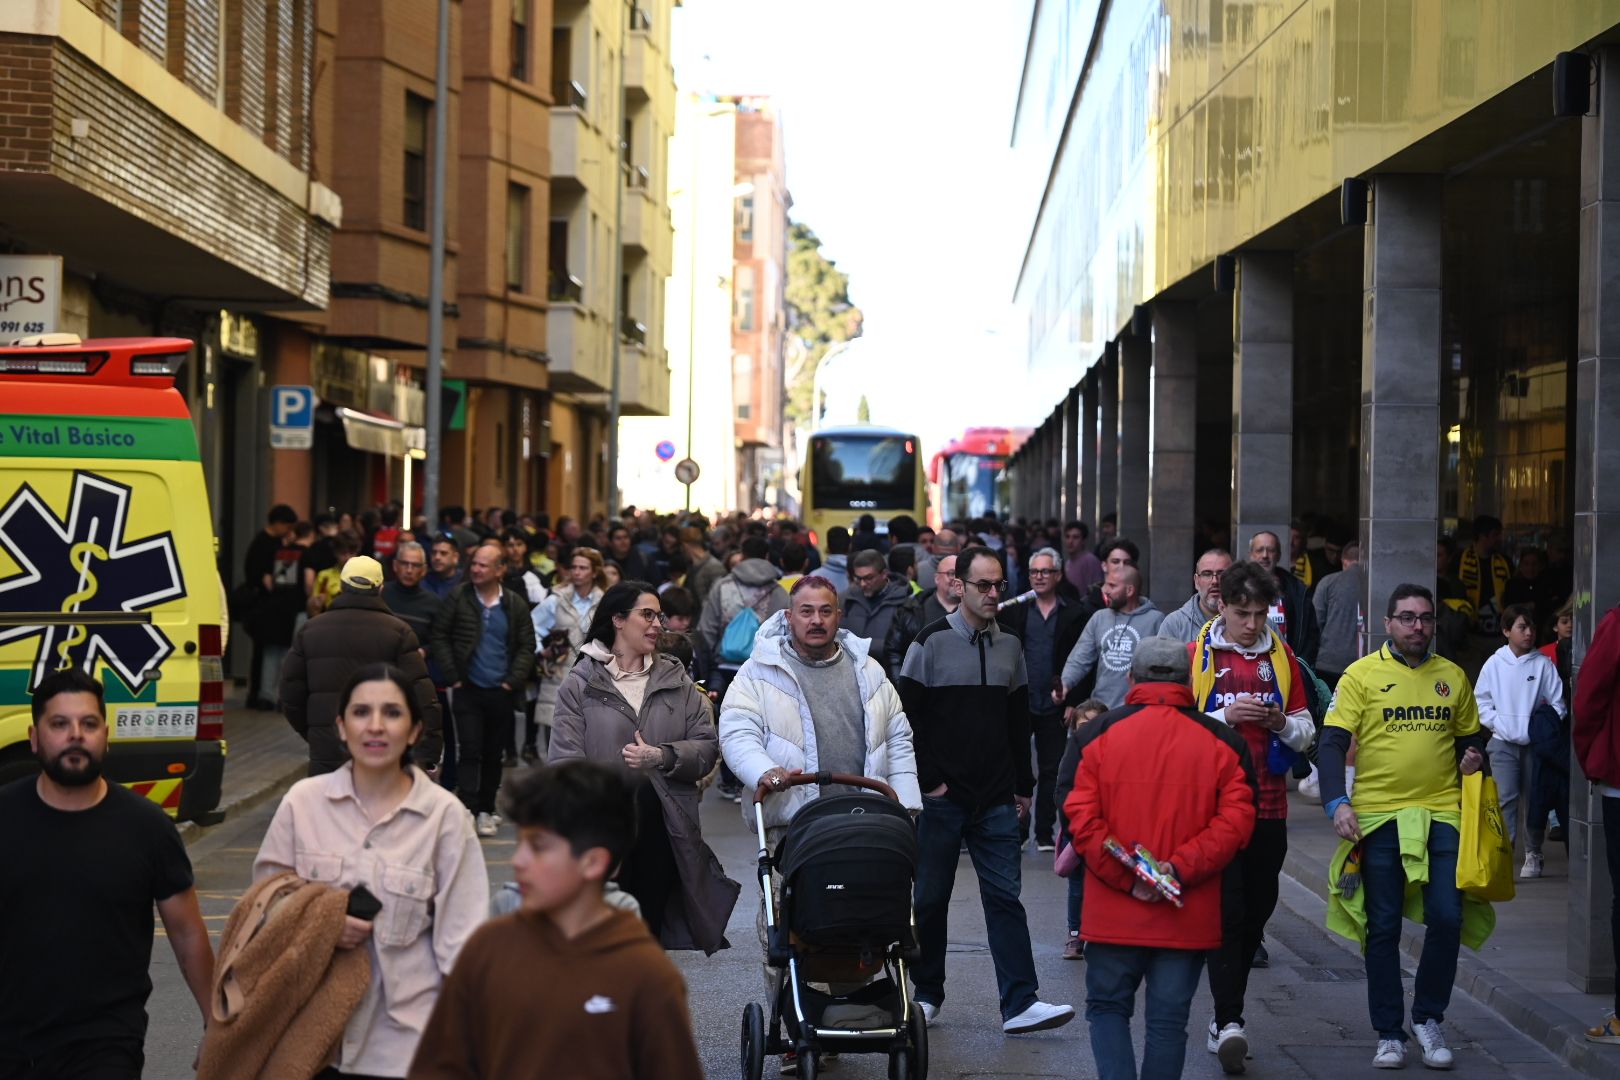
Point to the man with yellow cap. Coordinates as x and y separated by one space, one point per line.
356 630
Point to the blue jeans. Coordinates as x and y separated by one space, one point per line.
1077 897
1384 884
992 842
1113 972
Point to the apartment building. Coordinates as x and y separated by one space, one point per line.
759 312
157 161
609 239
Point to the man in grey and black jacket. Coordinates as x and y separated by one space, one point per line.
964 689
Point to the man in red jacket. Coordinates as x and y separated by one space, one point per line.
1597 744
1158 773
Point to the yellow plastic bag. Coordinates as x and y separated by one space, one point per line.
1485 854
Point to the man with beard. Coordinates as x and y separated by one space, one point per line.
88 857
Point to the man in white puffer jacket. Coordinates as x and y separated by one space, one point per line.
812 698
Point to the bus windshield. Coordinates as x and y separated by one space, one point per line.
974 486
867 472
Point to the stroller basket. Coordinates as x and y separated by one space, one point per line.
847 863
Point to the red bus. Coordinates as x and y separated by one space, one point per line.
967 477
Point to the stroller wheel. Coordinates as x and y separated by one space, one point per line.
900 1064
918 1051
753 1042
809 1063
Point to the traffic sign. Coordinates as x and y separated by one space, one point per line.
686 471
665 450
292 417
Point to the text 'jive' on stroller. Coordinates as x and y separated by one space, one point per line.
845 921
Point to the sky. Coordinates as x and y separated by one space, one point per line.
898 119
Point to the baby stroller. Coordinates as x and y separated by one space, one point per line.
847 864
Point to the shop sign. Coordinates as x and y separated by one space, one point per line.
30 294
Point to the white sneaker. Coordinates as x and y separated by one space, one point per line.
1436 1054
1311 786
486 825
929 1012
1231 1047
1212 1038
1391 1054
1532 865
1039 1017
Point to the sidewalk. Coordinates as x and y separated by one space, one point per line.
264 757
1521 970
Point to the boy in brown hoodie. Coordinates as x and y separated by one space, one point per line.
567 983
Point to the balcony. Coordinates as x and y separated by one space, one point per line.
642 60
641 218
580 360
569 130
632 332
643 381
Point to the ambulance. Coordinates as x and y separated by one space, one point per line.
107 560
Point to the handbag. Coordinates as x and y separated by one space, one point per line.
1484 852
1067 861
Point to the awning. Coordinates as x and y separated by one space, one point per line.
380 434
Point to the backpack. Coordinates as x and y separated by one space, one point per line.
737 642
385 542
1318 699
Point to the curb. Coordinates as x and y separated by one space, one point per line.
1560 1033
274 788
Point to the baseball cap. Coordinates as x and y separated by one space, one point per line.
362 573
1161 659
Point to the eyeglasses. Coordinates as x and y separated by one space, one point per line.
1408 618
1035 572
649 614
867 579
989 586
1207 575
401 564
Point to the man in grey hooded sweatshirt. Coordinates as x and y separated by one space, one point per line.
1110 639
1204 604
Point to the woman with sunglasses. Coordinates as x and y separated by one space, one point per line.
626 704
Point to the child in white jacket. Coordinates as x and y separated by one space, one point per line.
1515 680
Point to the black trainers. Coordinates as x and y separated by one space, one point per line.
1262 959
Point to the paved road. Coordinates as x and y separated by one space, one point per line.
1307 1013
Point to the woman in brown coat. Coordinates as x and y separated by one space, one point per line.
625 704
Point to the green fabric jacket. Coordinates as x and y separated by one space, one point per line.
1347 916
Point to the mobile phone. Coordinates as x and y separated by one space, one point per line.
362 904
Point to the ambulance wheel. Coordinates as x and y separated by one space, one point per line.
753 1042
16 765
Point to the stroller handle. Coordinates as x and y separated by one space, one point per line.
825 778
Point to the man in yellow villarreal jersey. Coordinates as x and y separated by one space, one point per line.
1413 714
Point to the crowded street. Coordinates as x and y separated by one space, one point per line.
1309 998
680 539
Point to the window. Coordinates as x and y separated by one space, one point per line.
745 219
743 412
876 472
562 287
517 236
520 40
418 110
742 384
744 302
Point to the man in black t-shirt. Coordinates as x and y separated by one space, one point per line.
81 863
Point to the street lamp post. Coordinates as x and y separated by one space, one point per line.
435 354
614 388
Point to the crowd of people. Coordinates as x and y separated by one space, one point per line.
1013 684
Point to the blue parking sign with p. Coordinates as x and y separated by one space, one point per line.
292 417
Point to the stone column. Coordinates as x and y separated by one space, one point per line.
1135 413
1088 451
1107 435
1400 391
1589 948
1262 398
1071 456
1175 439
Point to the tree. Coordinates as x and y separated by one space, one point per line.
863 412
819 317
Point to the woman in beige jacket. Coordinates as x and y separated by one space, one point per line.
380 822
626 704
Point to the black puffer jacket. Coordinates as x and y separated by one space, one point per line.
358 629
460 623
